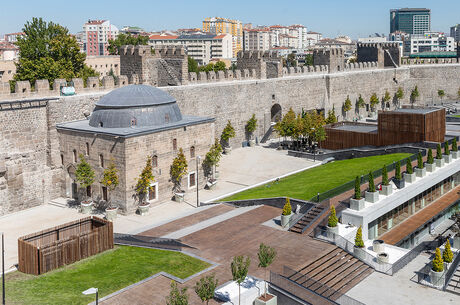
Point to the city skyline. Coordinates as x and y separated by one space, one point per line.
355 18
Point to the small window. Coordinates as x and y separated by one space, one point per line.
155 161
192 152
62 159
167 118
101 124
74 156
273 96
101 160
87 148
174 144
191 180
133 122
153 192
88 191
104 193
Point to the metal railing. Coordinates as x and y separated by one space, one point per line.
298 216
452 269
324 211
424 278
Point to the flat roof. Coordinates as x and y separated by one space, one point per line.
417 110
128 132
358 128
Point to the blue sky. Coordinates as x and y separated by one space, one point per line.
356 18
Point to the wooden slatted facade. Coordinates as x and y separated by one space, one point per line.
49 249
394 127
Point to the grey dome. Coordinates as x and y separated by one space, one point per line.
135 106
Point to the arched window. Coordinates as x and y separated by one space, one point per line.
62 159
74 156
87 148
174 144
133 122
192 152
155 161
101 160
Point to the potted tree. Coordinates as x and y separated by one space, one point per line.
447 255
332 222
447 157
371 194
455 154
436 272
266 256
386 100
414 95
386 187
398 180
144 186
110 181
178 170
251 126
206 287
357 203
286 214
210 163
430 165
409 175
439 159
347 106
358 250
240 268
360 103
374 100
441 94
420 171
227 134
399 95
85 177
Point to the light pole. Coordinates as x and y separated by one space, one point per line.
92 291
198 158
3 269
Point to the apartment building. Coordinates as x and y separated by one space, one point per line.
455 32
97 35
13 37
258 39
217 25
431 42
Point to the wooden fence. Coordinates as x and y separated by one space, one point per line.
65 244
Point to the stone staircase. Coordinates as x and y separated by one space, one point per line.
60 202
454 283
307 219
333 274
174 80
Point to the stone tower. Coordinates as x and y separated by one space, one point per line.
266 64
386 54
333 58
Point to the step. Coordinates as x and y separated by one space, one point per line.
328 275
347 279
340 280
319 262
329 266
339 270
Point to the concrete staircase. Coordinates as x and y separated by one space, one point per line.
60 202
307 219
454 283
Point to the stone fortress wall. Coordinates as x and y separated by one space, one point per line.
31 171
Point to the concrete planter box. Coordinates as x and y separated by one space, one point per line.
285 219
144 209
269 299
252 143
378 246
399 183
359 253
455 154
111 214
371 196
439 162
383 258
437 278
420 172
447 266
86 206
179 197
357 204
409 178
447 158
334 230
430 167
386 190
227 150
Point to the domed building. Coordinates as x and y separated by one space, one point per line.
127 125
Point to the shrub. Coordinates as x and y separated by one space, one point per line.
438 151
357 188
361 103
359 238
454 144
447 255
446 148
332 221
419 160
371 183
251 124
429 159
409 168
347 104
228 132
438 265
398 171
385 175
287 209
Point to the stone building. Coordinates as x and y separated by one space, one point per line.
127 125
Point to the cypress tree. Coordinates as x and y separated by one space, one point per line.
430 156
359 238
454 144
357 188
398 170
438 152
371 183
332 221
419 160
447 254
385 175
437 263
446 148
287 209
409 168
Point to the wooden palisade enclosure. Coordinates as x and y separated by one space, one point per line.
52 248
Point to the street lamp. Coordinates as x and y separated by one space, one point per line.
198 158
92 291
3 269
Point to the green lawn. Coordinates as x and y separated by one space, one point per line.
457 115
306 184
108 271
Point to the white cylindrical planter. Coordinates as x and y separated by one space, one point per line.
285 220
378 246
436 278
383 258
144 208
111 214
86 207
179 197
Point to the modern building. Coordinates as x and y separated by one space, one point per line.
373 39
455 32
217 25
258 39
203 47
104 64
313 38
293 36
133 30
97 36
431 42
410 20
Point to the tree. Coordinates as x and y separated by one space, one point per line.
126 39
371 183
331 117
205 288
399 94
357 188
409 168
227 133
48 51
414 95
110 179
386 97
385 176
291 61
145 180
458 93
266 256
454 144
240 268
207 68
419 160
309 60
437 263
286 125
438 151
177 170
374 100
220 66
447 254
429 159
176 296
332 220
359 243
84 175
441 94
446 148
360 103
251 125
192 65
347 104
398 171
212 158
287 209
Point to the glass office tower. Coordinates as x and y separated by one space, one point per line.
410 20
